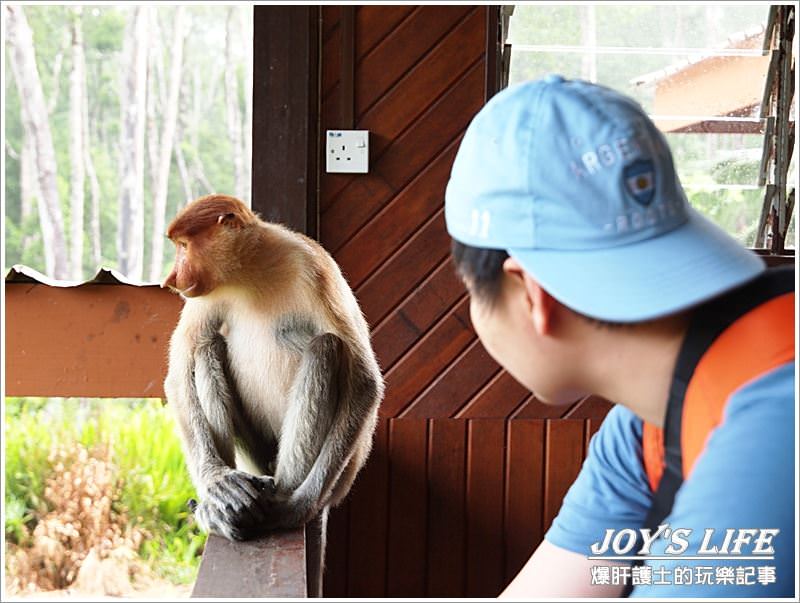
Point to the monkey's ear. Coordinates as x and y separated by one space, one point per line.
230 219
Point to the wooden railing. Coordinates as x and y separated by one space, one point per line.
110 340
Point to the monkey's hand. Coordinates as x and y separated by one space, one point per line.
286 510
236 505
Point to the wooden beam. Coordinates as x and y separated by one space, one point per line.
494 46
286 115
90 341
347 86
272 566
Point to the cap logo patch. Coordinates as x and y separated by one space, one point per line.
640 181
480 224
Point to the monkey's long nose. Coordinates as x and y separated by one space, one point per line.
169 282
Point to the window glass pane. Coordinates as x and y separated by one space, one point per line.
719 173
698 70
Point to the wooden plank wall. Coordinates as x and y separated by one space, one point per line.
468 469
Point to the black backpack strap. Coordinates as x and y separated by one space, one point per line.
707 323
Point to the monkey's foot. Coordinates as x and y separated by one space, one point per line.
236 505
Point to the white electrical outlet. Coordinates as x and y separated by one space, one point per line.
347 151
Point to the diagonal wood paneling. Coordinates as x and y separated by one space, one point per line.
412 150
459 382
410 46
427 249
427 359
468 468
437 294
415 204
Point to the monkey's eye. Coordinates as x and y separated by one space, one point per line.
182 244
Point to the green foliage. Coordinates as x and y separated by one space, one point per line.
27 440
103 29
146 451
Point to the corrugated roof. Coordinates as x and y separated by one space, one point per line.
105 276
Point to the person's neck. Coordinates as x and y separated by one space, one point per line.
634 366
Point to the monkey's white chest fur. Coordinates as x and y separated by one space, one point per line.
265 351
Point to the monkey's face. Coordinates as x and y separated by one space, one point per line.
192 275
539 356
208 237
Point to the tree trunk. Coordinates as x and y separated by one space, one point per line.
130 239
198 170
35 122
247 34
183 170
232 105
95 242
76 147
155 99
57 63
180 132
29 191
167 139
152 121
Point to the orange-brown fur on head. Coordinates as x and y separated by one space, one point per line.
207 212
207 233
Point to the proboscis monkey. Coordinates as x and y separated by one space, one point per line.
270 370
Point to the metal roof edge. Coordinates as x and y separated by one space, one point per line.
20 273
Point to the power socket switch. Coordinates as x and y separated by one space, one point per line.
347 151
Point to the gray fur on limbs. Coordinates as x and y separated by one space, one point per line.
331 403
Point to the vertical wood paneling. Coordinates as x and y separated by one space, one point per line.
563 458
407 542
592 410
485 466
446 507
524 492
368 501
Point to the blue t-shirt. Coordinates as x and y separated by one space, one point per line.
745 478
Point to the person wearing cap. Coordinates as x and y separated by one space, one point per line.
590 273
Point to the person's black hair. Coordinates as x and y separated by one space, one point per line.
483 269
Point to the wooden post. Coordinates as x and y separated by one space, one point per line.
285 115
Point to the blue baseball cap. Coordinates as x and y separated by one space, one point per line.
576 182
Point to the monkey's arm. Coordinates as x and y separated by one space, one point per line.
203 400
328 428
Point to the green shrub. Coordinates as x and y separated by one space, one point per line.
140 434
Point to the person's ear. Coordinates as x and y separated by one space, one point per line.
540 305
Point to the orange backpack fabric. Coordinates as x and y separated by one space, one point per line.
757 342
